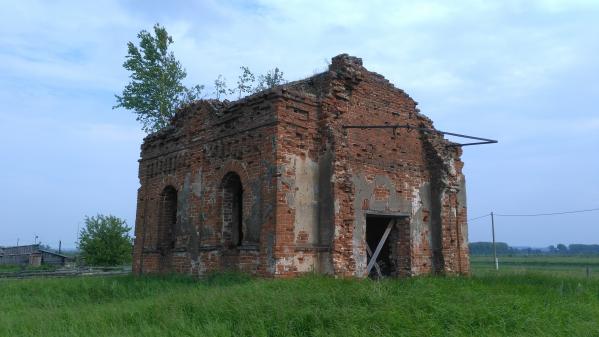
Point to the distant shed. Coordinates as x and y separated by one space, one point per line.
30 255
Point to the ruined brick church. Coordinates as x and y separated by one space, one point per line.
338 174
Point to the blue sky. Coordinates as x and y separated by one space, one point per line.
523 72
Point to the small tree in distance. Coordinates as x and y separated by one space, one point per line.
562 249
156 90
105 241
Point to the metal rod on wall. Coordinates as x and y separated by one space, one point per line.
412 127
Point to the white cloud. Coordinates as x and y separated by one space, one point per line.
560 6
430 44
70 44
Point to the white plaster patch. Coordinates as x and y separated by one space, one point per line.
286 263
196 186
305 263
416 200
452 169
337 233
304 199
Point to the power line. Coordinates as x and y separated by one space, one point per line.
536 214
547 214
479 217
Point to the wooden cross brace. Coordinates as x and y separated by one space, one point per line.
377 251
376 265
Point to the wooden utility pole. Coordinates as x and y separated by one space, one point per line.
494 248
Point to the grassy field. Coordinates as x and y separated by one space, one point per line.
236 305
571 266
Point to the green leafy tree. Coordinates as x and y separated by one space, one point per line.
155 91
272 78
105 241
486 248
562 249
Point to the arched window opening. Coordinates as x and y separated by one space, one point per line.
168 219
232 210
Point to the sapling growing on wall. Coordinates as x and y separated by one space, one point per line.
244 82
156 90
220 86
271 79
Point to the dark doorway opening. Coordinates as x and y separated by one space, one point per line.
233 210
379 228
167 226
238 210
168 219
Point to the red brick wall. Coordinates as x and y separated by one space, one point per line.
398 171
308 182
193 157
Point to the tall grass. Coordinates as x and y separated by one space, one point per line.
236 305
